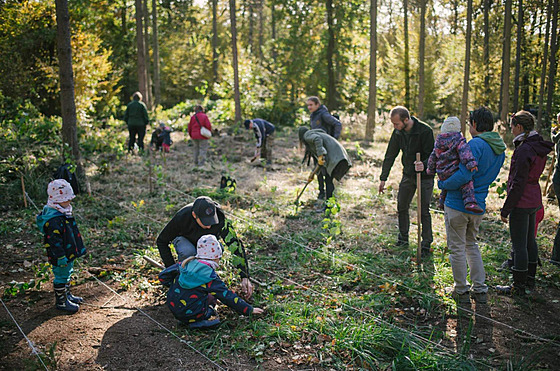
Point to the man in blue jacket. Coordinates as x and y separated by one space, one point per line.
264 131
461 225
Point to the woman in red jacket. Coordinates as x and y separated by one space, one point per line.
524 200
198 121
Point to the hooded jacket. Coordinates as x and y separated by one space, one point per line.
195 125
62 237
450 150
322 119
319 143
189 288
420 138
136 114
488 149
527 164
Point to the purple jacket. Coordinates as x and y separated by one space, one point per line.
450 149
527 164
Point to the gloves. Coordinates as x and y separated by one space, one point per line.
321 160
311 176
62 262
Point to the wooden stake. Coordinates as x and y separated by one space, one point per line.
23 190
153 262
150 172
419 212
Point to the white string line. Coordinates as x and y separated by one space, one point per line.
536 337
33 349
155 321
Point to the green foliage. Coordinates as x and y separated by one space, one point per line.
331 225
42 275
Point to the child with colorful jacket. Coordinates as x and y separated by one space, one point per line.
62 240
165 136
194 287
450 150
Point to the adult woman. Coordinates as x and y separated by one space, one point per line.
524 200
198 121
136 118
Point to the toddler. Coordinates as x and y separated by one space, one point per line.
165 135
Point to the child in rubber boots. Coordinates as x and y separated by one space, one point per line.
62 240
194 287
165 135
450 150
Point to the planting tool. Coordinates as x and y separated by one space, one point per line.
315 171
419 212
153 262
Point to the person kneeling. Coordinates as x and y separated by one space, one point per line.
194 287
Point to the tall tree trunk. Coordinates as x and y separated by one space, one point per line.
487 90
465 102
236 94
141 61
406 57
543 70
273 28
251 26
372 101
124 28
146 14
157 87
421 57
552 68
214 41
261 27
66 74
332 101
518 56
506 63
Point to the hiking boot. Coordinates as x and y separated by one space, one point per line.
507 264
474 208
463 298
518 287
479 297
321 195
72 298
62 301
426 252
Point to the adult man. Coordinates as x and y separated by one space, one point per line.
136 118
321 119
410 136
195 220
264 132
462 225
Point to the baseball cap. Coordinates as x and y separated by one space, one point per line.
205 209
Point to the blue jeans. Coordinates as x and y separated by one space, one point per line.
62 274
184 248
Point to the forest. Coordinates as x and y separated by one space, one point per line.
336 290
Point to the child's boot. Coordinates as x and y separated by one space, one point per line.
62 301
474 208
204 324
72 298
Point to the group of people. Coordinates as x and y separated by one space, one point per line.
465 172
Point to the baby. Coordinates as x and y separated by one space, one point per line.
450 150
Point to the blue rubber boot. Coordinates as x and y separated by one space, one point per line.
62 301
204 324
72 298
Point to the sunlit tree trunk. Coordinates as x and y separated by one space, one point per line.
236 94
552 68
148 97
157 87
421 57
273 28
261 27
506 63
544 64
406 56
141 62
465 101
251 26
518 56
372 101
487 52
66 74
214 40
332 101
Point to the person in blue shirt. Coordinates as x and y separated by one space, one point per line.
264 132
461 225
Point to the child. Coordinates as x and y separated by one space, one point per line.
194 287
62 240
450 149
156 141
166 136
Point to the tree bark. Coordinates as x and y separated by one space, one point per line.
157 83
251 26
124 28
331 83
146 14
236 94
215 41
261 27
406 57
544 64
421 57
465 102
67 99
372 101
141 62
552 68
273 28
487 90
518 56
506 63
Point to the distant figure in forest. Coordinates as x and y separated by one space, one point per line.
199 121
327 153
461 225
136 118
194 287
524 199
450 150
264 132
165 135
555 258
202 217
62 240
157 141
410 136
321 119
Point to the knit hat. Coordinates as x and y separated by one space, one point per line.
59 190
451 125
208 247
247 123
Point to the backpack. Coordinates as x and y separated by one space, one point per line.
64 172
228 184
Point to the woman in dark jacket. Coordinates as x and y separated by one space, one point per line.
524 200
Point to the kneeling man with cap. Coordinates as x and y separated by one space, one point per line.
195 220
